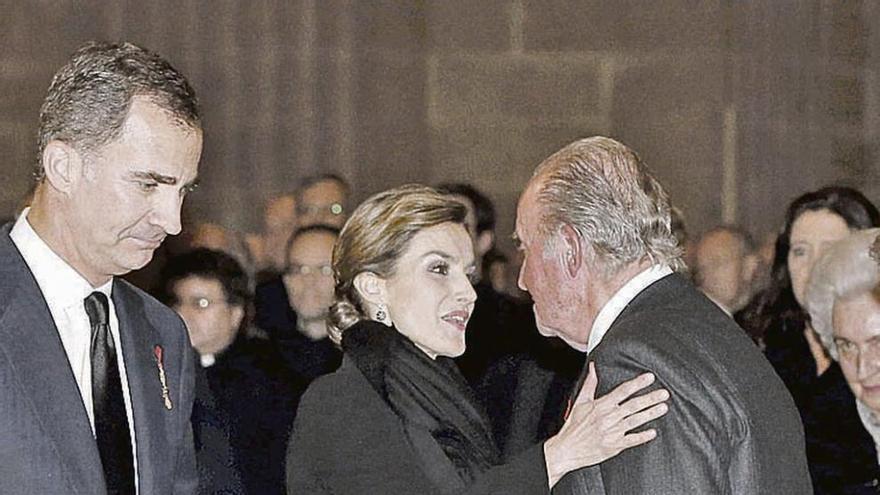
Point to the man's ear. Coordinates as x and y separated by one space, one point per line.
572 251
750 266
62 165
485 240
371 288
237 315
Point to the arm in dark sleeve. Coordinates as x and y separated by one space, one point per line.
524 474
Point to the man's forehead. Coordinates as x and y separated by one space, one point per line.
857 318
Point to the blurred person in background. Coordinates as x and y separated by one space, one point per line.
267 247
843 298
724 262
322 200
308 282
838 447
240 388
215 236
293 308
209 290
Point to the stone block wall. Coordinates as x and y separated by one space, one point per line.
737 106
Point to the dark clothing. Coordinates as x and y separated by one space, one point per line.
731 428
305 359
250 387
499 327
522 378
352 436
442 419
272 311
212 429
526 394
47 445
840 452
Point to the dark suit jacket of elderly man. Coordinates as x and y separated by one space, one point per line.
46 443
732 427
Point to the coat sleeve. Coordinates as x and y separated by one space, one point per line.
186 476
525 474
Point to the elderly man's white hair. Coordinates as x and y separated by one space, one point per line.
847 269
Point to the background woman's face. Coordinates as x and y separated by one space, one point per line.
430 297
811 234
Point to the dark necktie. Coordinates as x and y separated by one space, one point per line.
111 422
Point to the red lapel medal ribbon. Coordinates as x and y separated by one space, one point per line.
166 397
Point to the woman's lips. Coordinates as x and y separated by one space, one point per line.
458 319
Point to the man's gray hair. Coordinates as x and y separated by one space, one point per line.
844 271
600 188
89 97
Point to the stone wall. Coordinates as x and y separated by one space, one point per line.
737 106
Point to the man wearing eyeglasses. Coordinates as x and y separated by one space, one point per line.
308 282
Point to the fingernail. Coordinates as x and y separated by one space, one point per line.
663 408
649 377
664 395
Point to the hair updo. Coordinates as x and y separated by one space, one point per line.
376 236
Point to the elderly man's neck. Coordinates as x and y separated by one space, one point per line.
603 287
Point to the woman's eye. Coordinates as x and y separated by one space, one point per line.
797 251
440 268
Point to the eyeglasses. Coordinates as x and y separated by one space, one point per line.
199 303
335 209
298 269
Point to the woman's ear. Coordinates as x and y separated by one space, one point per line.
371 288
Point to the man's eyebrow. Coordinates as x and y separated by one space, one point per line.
165 179
155 176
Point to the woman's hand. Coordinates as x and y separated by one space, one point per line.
596 429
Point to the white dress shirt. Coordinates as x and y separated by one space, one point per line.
65 291
621 299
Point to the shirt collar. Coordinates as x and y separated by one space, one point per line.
61 284
621 299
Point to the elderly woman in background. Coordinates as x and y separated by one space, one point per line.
839 450
398 417
844 303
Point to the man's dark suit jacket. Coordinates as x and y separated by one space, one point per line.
46 443
347 440
732 427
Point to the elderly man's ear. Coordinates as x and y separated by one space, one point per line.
572 250
62 165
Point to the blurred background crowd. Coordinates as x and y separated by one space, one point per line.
762 119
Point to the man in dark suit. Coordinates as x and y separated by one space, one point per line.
599 262
96 376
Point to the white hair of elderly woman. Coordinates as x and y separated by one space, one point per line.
846 269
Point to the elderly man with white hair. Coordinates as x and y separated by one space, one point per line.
843 298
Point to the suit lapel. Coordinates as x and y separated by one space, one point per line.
139 339
30 341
